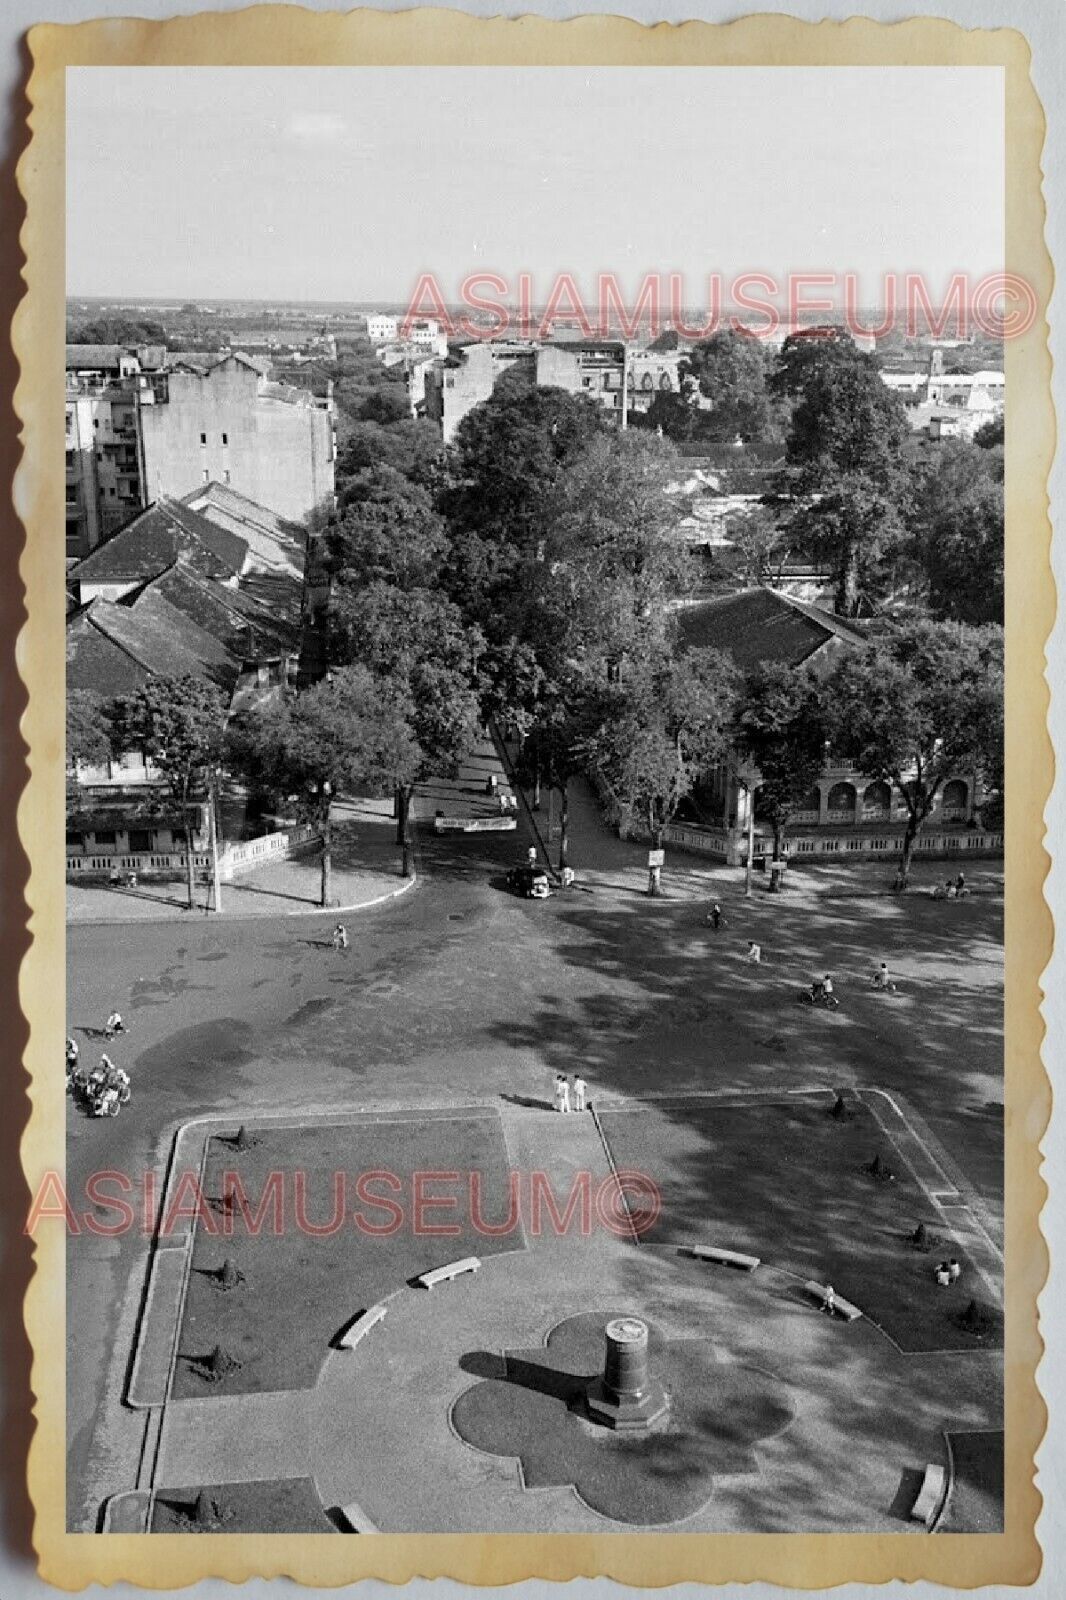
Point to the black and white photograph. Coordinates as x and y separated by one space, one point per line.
535 799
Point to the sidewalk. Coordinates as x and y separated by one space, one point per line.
603 861
366 872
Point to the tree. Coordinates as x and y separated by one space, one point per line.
118 330
386 530
782 726
845 462
179 723
919 703
411 447
990 435
958 537
731 370
88 729
659 728
350 734
760 545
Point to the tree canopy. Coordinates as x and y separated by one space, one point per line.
958 533
782 725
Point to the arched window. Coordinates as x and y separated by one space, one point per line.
877 800
647 382
956 795
842 797
811 801
664 381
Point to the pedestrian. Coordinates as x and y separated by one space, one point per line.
114 1025
881 977
960 885
562 1093
72 1054
827 986
954 1270
715 918
531 855
340 937
754 953
829 1301
579 1092
943 1274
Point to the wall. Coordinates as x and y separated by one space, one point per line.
220 427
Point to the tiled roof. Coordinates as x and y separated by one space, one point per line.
272 541
113 648
250 624
154 539
758 625
94 357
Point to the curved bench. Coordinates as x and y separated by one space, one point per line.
722 1257
454 1269
841 1307
931 1495
361 1326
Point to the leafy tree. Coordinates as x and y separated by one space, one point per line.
179 723
385 531
414 640
990 435
782 725
732 370
88 729
350 734
118 330
760 546
664 723
920 703
958 539
845 455
410 447
677 415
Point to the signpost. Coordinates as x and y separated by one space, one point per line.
656 860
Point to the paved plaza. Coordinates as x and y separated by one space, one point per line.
442 1028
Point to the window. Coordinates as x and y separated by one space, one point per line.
225 438
140 841
104 836
225 474
96 422
205 475
203 438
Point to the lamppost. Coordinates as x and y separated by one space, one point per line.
326 790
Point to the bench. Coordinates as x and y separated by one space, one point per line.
361 1326
930 1495
841 1307
723 1258
429 1280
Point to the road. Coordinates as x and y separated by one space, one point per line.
461 991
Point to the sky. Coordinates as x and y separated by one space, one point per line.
348 183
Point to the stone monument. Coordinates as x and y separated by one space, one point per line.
626 1397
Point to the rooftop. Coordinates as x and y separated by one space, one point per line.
760 625
152 541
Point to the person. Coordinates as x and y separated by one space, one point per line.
829 1301
340 937
579 1092
954 1270
881 977
562 1093
715 917
827 986
72 1054
113 1025
531 855
754 952
943 1274
960 885
949 888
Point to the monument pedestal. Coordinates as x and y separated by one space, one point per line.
627 1397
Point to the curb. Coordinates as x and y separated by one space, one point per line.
182 913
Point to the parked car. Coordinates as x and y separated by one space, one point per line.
532 882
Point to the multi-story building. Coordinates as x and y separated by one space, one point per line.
381 330
227 423
143 424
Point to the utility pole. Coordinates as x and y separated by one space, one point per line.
216 878
625 383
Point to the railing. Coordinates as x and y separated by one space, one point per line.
703 841
270 847
731 844
233 859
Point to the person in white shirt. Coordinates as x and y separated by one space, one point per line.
754 952
580 1087
562 1093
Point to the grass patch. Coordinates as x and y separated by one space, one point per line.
287 1505
293 1291
826 1197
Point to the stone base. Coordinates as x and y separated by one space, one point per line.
626 1415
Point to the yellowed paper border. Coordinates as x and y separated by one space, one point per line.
277 35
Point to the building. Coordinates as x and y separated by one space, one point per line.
145 423
381 329
845 812
273 443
